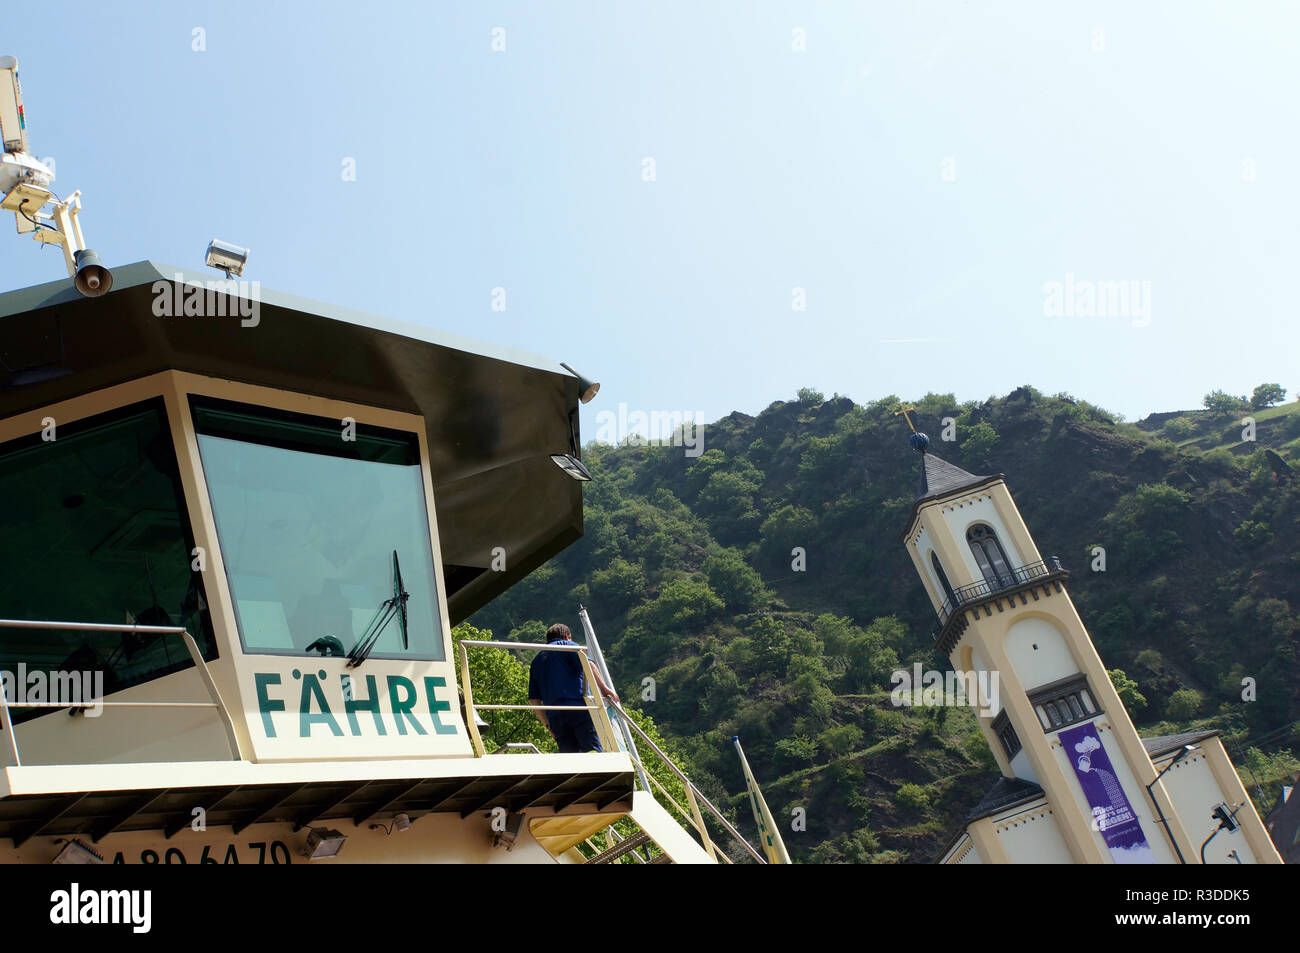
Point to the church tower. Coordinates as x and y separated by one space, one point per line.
1075 771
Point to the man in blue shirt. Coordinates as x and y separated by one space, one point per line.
555 678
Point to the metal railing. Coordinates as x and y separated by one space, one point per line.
609 742
694 797
604 730
191 646
1009 579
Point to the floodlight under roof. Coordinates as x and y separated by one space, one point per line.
322 843
572 466
75 852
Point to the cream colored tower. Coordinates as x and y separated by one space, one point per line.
1055 719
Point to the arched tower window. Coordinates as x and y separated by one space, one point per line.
989 555
943 579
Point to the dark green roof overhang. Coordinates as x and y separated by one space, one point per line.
493 414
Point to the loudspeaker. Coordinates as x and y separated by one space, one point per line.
92 279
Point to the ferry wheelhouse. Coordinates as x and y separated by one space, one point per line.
237 530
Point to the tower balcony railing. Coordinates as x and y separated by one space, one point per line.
1010 579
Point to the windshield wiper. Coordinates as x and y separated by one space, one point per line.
396 606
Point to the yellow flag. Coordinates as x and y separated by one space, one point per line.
769 835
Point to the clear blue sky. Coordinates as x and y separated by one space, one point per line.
775 169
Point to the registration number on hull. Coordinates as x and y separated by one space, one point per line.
253 852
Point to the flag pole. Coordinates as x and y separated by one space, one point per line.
769 835
598 659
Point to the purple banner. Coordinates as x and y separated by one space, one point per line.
1111 812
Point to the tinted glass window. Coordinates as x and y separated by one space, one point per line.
94 529
989 555
316 520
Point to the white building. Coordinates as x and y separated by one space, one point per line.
1078 784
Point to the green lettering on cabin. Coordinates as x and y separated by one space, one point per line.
306 719
436 704
403 707
267 705
354 705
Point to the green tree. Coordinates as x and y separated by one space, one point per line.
841 739
1184 704
1149 659
799 749
869 655
1266 395
703 467
618 586
1252 534
853 847
810 397
727 502
1127 689
771 646
740 587
813 697
977 749
936 405
912 797
1152 506
683 604
824 458
978 442
788 527
1221 403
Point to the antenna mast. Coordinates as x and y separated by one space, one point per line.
25 184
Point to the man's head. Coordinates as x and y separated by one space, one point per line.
557 632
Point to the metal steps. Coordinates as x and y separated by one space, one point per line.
622 848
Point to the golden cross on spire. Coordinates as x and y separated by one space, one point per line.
903 409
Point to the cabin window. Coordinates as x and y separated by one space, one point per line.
316 521
95 530
989 555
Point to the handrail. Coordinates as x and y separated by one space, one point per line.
687 781
598 659
958 598
191 646
607 739
693 817
604 730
